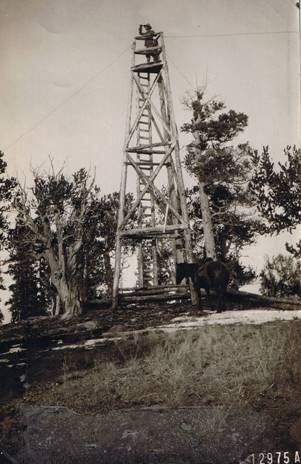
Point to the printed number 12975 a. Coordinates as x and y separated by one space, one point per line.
278 457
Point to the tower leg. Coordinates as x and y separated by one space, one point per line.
116 273
179 174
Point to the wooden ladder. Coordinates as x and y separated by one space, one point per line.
147 253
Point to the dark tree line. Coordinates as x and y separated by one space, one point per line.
30 292
7 185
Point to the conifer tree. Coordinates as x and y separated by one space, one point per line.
7 185
220 204
25 300
277 192
281 277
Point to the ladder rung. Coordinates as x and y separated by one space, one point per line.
154 152
147 163
144 147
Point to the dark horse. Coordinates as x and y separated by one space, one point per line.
209 274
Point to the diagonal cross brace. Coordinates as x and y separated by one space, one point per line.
155 191
151 103
146 101
149 184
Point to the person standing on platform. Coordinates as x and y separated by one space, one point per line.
150 41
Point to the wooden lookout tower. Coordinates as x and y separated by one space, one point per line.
152 158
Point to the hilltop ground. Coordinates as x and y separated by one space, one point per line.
161 384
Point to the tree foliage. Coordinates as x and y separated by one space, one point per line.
98 252
71 231
277 192
281 277
7 185
28 296
225 169
209 154
58 216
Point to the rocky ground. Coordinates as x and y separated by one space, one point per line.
161 384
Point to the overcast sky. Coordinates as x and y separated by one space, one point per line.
65 74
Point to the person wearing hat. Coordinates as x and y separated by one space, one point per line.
151 40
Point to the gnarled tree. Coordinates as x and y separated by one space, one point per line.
56 211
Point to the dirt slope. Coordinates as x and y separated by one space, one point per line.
106 389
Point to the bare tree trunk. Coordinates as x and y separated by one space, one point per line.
83 284
57 305
206 215
69 296
68 291
207 222
108 272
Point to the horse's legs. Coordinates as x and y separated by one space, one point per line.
196 285
198 289
221 292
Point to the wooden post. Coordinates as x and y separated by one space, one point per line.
122 194
176 251
187 235
206 215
